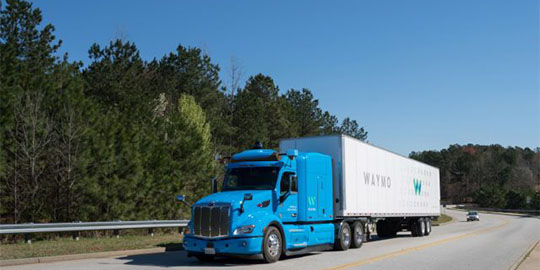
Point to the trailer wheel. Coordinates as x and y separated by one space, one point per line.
421 227
415 228
357 234
344 240
272 245
428 226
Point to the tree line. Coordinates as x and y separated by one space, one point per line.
119 137
488 175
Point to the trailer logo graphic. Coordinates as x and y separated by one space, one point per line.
311 200
372 179
417 186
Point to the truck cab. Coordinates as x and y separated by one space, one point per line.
271 204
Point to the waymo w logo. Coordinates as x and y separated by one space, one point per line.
417 186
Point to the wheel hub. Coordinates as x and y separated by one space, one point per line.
359 235
346 237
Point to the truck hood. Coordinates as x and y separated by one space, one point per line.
235 197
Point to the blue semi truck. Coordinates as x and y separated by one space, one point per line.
316 193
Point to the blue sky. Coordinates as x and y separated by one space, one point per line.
417 75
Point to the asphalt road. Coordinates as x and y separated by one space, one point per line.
496 242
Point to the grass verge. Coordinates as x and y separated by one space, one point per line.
442 219
67 246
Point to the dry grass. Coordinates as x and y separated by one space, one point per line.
442 219
65 245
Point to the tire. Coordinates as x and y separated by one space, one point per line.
428 226
272 245
415 228
357 235
204 258
344 241
422 226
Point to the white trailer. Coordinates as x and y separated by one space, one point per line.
371 181
377 185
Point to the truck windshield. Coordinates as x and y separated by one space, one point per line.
250 178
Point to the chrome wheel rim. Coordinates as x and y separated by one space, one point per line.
346 236
358 231
273 244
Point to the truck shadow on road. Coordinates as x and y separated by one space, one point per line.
180 259
375 237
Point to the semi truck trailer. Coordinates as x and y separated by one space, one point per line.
315 193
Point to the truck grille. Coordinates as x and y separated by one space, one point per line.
211 221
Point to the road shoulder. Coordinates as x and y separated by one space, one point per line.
82 256
531 260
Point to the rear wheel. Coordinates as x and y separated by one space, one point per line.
422 224
344 240
428 226
272 245
415 228
357 234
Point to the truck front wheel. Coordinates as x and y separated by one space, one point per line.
357 235
344 240
272 245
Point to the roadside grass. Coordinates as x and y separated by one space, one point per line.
67 246
442 219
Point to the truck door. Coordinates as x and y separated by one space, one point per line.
288 197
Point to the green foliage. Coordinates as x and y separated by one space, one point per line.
492 176
258 113
491 196
119 138
515 200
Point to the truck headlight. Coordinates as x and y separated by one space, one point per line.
244 229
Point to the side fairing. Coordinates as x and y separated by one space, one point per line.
314 187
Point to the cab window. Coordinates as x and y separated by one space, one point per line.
287 185
294 184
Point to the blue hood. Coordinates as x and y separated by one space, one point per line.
236 196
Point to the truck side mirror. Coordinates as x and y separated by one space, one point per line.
182 198
247 197
292 153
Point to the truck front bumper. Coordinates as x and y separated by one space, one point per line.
224 246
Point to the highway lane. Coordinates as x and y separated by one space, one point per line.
496 242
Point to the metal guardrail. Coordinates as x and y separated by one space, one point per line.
520 211
27 228
526 211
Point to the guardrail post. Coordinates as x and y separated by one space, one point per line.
151 232
28 238
116 233
75 236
